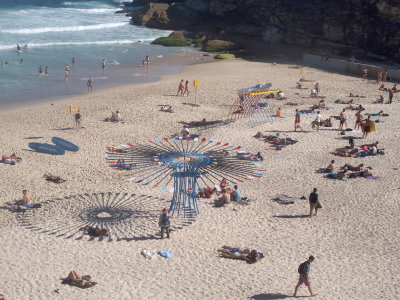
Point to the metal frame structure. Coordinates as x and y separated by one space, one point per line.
184 165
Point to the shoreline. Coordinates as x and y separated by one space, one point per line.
160 68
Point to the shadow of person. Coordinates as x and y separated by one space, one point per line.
292 217
269 296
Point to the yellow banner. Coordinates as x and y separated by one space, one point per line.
264 93
73 109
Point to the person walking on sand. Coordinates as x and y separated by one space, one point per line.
90 85
186 91
317 121
391 94
314 202
164 222
304 271
297 121
181 88
78 119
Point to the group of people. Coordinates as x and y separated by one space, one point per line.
183 88
227 194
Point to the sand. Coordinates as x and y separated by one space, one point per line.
354 238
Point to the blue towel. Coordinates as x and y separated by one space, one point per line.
373 177
166 254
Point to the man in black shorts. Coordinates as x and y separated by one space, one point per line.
78 118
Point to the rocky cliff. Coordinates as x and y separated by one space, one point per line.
341 26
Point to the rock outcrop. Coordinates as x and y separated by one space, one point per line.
342 27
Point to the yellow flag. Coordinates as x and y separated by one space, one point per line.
73 109
196 83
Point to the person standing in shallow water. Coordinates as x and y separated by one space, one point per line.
90 85
304 271
73 60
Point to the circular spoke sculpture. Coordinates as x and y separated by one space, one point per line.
127 217
184 167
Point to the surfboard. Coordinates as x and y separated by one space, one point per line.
46 148
64 144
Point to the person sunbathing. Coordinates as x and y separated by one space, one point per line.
356 96
246 254
116 117
95 231
259 135
380 100
321 104
340 175
168 109
299 85
53 178
331 167
354 107
340 101
367 172
349 167
326 123
74 279
240 110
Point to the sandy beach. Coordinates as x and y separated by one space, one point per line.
354 237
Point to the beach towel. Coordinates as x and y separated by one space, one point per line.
166 254
373 177
285 199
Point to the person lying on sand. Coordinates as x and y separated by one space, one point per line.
53 178
12 159
340 101
240 110
358 168
355 107
167 109
291 104
242 253
95 231
76 280
355 96
340 175
379 114
331 167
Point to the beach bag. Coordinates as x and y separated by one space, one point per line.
319 205
302 268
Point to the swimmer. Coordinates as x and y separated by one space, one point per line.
66 76
40 70
18 47
46 71
26 46
67 67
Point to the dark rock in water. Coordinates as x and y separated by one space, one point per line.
177 35
342 26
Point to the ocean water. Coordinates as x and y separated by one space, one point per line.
55 31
